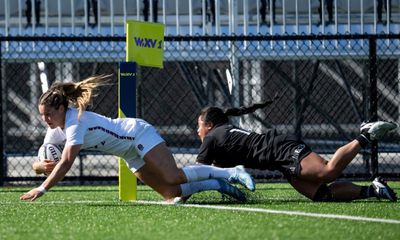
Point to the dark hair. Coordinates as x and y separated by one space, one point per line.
216 115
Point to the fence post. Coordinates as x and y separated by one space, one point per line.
2 159
373 101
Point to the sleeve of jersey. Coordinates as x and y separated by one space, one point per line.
75 134
205 155
54 136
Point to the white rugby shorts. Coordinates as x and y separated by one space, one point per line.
144 142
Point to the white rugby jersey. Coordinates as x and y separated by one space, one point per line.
97 132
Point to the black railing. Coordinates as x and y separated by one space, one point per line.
328 85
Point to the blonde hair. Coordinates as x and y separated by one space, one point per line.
78 94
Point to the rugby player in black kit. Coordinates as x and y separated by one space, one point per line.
225 145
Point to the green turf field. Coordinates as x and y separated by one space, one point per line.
96 213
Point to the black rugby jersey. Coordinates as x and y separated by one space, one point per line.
229 146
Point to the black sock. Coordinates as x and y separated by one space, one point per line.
367 192
363 140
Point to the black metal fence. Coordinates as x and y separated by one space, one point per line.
327 85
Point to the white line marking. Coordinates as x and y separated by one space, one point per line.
271 211
243 209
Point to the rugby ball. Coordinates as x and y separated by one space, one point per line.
50 151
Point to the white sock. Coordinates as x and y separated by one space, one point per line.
199 186
201 172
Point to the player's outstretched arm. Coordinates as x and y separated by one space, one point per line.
61 169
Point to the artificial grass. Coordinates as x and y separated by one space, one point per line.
96 213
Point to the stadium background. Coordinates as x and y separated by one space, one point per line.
328 84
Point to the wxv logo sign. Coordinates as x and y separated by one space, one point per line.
148 42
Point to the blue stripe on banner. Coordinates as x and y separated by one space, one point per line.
127 88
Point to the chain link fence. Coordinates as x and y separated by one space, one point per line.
327 86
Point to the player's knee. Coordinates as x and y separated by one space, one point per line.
328 175
323 194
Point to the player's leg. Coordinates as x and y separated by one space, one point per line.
346 191
321 192
151 177
313 167
219 185
162 161
234 175
159 158
316 173
161 173
343 191
305 187
169 192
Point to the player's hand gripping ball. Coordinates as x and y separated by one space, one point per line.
50 152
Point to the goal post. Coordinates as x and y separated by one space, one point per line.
126 108
144 47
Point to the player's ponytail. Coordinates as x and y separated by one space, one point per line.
217 116
78 94
250 109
